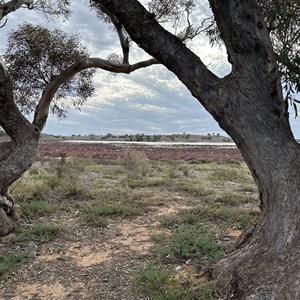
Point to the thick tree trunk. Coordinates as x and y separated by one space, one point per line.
266 264
12 166
266 261
17 155
248 104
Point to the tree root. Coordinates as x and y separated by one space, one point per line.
5 225
259 273
7 204
7 211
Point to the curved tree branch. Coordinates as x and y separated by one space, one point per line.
167 49
42 110
11 6
124 41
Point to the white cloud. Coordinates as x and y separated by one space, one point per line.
147 101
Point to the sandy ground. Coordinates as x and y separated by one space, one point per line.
93 263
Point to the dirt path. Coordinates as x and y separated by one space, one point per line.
92 264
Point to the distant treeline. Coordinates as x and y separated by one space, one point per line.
140 137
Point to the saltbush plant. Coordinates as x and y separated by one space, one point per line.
135 163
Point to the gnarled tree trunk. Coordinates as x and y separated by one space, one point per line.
18 154
248 104
266 263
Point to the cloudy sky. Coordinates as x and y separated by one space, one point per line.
150 101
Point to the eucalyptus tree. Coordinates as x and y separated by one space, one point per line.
45 71
42 71
262 42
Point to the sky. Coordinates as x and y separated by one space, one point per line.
149 101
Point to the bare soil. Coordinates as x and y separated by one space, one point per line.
96 263
91 264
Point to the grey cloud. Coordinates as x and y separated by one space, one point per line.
166 113
151 101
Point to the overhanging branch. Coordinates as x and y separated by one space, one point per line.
11 6
166 48
42 110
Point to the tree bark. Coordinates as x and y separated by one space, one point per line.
266 265
248 104
18 154
11 6
266 262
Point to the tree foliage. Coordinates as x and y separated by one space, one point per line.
53 7
34 55
283 19
170 10
175 13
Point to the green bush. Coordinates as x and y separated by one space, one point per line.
35 208
157 283
223 216
227 174
154 282
194 241
40 233
147 182
234 199
95 220
135 163
195 189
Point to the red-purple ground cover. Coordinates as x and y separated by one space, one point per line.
114 151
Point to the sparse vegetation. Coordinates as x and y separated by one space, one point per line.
9 262
158 283
95 215
215 197
140 137
40 233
